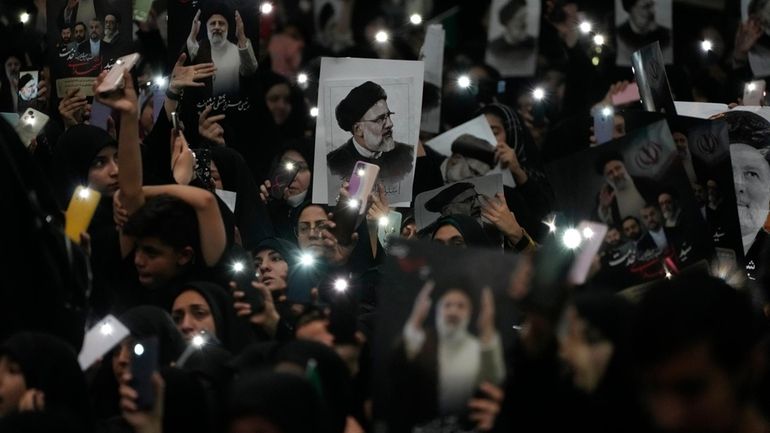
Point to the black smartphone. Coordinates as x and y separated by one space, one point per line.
281 177
299 285
242 273
144 362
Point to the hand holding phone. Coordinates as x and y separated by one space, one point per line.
351 210
80 212
282 175
144 362
754 93
30 124
113 80
604 123
242 275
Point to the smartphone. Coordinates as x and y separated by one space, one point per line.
114 80
281 177
754 93
100 114
349 213
142 10
627 96
80 211
604 124
300 283
100 339
390 227
30 124
538 113
242 274
175 120
144 362
593 234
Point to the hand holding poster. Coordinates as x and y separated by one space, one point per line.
463 198
369 111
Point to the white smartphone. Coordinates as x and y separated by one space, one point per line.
592 234
754 93
114 79
30 124
604 123
100 339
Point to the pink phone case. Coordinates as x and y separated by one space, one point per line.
630 94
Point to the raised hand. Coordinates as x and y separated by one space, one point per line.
337 253
606 196
73 107
209 127
189 76
421 306
267 318
32 400
486 320
196 26
484 409
124 100
240 34
496 211
264 193
142 421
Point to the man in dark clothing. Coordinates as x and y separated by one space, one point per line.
365 114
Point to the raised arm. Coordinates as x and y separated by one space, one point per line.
213 238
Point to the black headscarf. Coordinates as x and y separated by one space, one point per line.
232 333
50 365
76 149
469 227
148 321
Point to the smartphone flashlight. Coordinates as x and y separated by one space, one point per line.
464 81
138 349
571 238
238 267
607 111
106 329
588 233
306 259
340 285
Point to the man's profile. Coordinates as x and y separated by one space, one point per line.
365 114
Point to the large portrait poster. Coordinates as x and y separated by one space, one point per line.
622 184
84 37
368 110
651 76
514 29
442 332
642 22
759 55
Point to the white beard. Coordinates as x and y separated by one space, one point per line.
451 333
217 40
386 143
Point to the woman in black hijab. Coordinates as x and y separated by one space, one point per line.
459 230
284 211
39 372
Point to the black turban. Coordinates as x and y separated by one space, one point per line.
474 147
359 101
606 157
446 196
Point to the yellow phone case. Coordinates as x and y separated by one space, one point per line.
80 212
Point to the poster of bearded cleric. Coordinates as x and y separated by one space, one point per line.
84 37
442 334
368 110
622 184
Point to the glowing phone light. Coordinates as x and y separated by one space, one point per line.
464 81
340 285
571 238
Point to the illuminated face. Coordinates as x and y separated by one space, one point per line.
642 14
751 174
103 174
631 229
279 103
301 182
217 29
157 262
80 32
496 123
12 67
12 386
312 222
616 175
516 27
273 269
449 235
96 32
453 313
375 129
192 315
651 218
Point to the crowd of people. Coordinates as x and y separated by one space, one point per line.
261 317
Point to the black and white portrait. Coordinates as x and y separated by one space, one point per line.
759 54
641 22
369 119
432 53
459 198
514 27
651 76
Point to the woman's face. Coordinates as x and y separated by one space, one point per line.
587 357
121 358
12 386
273 269
192 315
278 99
216 177
103 174
516 27
301 182
496 123
146 120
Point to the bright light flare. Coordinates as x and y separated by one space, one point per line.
160 81
106 329
198 341
340 285
289 166
24 18
588 233
607 111
353 203
314 112
585 27
302 78
571 238
381 36
415 19
599 40
751 87
238 267
383 221
538 93
551 225
464 81
266 8
306 259
706 45
361 172
138 350
84 193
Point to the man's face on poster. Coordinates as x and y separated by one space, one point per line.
66 35
80 33
612 239
28 91
516 27
642 14
217 29
453 313
465 203
680 140
110 24
631 229
700 193
667 204
651 218
712 193
751 174
12 68
616 175
460 167
375 129
96 31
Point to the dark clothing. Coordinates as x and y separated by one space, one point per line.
394 165
634 41
105 49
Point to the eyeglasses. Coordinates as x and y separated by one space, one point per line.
305 229
380 120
